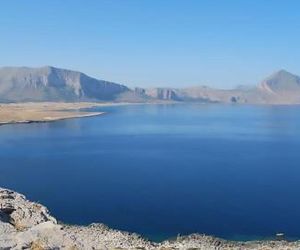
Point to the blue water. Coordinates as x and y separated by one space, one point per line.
160 170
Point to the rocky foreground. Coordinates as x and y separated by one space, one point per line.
29 225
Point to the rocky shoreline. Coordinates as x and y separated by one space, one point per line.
29 225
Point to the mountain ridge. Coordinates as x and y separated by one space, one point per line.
281 80
54 84
48 83
281 87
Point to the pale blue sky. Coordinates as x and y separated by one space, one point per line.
154 42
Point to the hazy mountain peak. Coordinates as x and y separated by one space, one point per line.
282 71
281 74
281 81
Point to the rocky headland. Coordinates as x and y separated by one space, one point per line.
29 225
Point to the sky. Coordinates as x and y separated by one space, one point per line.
149 43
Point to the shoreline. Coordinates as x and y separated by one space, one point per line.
19 113
52 119
27 224
39 112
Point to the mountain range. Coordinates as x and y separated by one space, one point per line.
21 84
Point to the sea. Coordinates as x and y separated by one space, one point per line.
231 171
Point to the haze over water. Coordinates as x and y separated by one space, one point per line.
159 170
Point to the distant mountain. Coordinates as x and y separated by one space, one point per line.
19 84
196 94
281 87
163 94
281 82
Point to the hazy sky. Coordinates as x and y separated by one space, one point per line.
154 42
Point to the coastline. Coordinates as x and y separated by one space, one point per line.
29 225
38 112
52 119
16 113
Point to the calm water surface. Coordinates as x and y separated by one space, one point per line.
160 170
